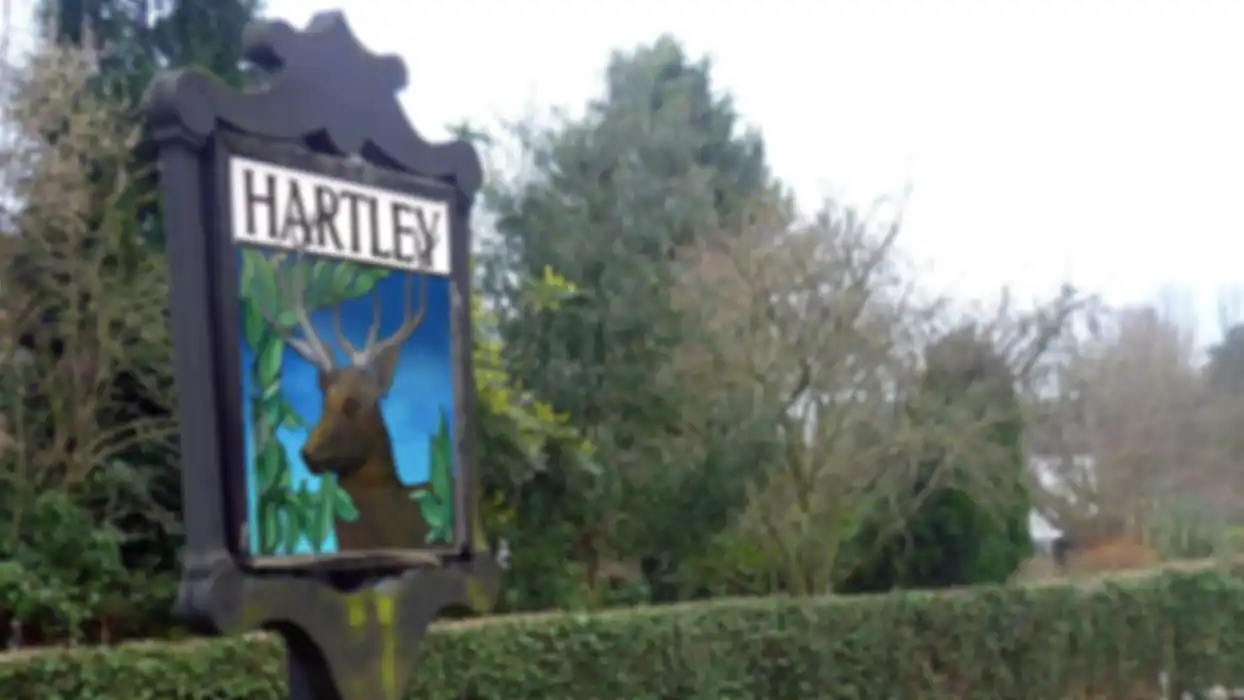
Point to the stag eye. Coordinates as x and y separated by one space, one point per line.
350 407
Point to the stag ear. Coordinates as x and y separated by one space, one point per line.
323 378
385 367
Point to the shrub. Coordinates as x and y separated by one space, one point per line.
1104 640
971 524
1185 527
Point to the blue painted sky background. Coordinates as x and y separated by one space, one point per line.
422 388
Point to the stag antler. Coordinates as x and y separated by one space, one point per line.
292 288
312 348
373 347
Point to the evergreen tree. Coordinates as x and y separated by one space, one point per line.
137 38
611 197
972 526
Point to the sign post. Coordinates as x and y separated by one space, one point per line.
319 253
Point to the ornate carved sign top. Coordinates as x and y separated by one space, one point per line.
324 90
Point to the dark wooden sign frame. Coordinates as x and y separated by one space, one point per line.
329 108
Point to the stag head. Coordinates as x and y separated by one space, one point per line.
350 439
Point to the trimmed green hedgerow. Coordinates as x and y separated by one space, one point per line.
1105 640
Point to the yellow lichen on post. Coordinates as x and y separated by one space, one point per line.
356 613
386 619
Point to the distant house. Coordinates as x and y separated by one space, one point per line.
1048 472
1043 533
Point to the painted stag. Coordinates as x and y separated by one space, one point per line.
351 439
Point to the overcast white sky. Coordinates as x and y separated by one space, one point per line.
1095 141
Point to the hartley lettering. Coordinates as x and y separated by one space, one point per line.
278 207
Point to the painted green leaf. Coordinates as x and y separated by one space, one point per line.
262 285
325 503
436 504
268 464
283 475
293 528
268 362
265 476
275 410
343 277
270 392
436 516
437 534
259 466
441 462
437 513
344 507
438 474
315 533
279 534
366 280
320 277
273 499
315 527
253 324
266 445
287 319
379 274
304 506
425 499
360 284
268 525
246 276
293 421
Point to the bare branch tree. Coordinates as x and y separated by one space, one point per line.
82 294
1123 423
818 327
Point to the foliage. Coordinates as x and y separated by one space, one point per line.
1137 432
62 573
1049 642
989 390
125 42
286 515
971 524
436 504
1185 528
605 200
794 335
86 378
812 332
83 305
88 446
527 454
140 37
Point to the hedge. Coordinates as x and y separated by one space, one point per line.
1107 640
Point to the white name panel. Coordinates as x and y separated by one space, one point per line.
278 207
